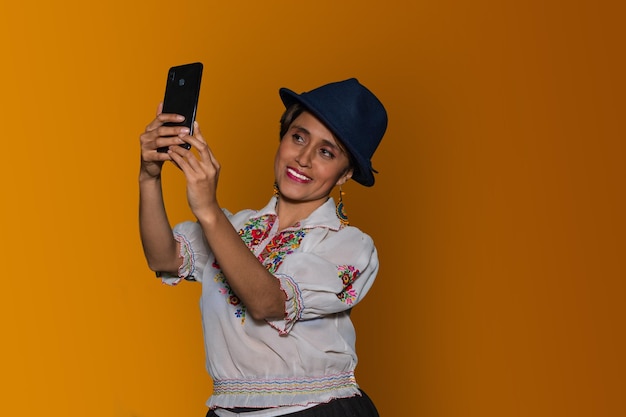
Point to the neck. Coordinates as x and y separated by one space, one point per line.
291 212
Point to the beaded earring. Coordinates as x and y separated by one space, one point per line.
276 190
341 211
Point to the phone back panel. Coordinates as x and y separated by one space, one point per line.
182 92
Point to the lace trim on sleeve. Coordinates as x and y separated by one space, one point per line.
187 270
293 305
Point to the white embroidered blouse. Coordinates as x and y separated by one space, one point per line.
308 357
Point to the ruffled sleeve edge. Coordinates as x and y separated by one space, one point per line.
294 305
187 270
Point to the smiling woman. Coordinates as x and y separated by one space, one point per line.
278 283
309 163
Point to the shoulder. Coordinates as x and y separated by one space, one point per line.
353 233
346 239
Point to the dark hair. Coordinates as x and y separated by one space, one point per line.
292 114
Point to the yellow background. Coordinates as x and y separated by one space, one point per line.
498 211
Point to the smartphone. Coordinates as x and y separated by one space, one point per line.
182 92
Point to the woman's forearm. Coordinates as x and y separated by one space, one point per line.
160 248
258 289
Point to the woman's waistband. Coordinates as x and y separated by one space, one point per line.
266 392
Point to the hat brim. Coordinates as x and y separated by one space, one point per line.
363 169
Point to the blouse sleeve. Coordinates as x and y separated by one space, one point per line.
194 252
330 278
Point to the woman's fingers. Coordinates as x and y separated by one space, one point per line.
198 142
161 134
163 118
187 161
206 163
198 132
159 144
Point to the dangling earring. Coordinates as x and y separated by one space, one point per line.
341 212
276 190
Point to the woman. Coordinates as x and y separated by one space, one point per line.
277 283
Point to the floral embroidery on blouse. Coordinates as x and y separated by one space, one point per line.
280 246
231 298
256 230
254 233
348 274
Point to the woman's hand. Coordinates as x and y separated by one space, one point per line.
202 173
156 136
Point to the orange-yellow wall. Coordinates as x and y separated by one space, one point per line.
498 210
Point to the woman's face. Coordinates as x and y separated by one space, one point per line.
310 161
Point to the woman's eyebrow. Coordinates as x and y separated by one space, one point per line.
301 129
332 144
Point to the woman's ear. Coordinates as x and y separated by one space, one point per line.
345 177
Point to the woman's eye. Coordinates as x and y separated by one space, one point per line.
297 138
327 153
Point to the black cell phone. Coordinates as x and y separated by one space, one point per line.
182 92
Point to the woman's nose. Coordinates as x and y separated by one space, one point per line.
304 158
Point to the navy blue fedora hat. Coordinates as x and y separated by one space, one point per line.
353 113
